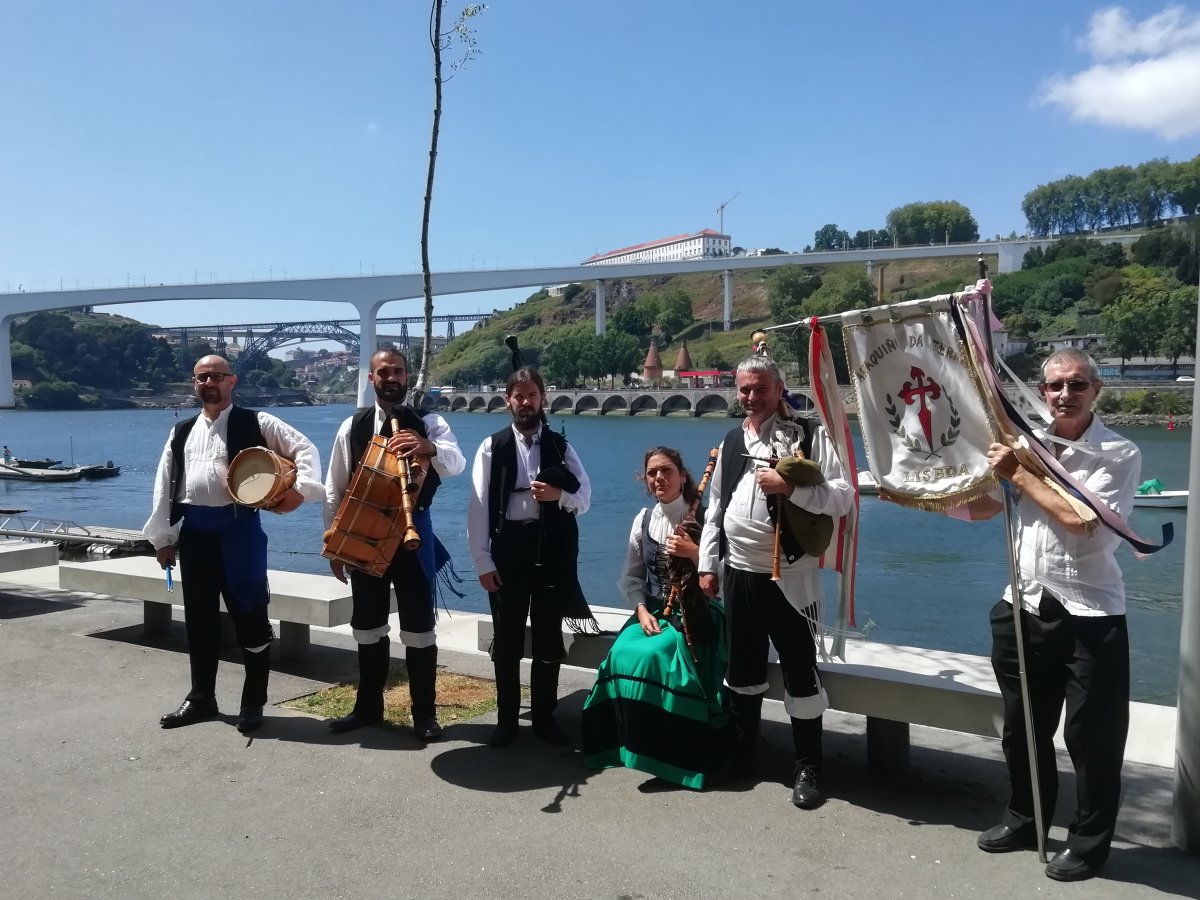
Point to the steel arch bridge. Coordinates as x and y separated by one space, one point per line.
284 332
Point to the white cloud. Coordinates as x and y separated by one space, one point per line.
1145 75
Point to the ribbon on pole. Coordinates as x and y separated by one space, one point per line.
842 555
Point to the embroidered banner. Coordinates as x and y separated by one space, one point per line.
925 426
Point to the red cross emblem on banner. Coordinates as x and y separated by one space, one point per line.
915 391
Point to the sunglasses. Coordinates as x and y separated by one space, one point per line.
218 377
1077 386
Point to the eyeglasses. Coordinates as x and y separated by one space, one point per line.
1077 386
218 377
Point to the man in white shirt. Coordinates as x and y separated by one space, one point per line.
737 551
222 547
413 574
1077 643
528 486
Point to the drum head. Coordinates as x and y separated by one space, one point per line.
252 477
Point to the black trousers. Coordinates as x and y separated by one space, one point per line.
1081 662
758 615
524 596
373 601
202 574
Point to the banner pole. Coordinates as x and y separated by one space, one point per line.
1014 577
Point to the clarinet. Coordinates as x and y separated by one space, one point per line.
677 583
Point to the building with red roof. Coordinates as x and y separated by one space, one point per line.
701 245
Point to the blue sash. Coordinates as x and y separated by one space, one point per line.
243 551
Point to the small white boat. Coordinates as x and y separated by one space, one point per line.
867 486
18 473
1162 500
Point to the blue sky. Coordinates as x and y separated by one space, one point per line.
232 140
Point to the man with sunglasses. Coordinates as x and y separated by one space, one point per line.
222 547
1077 644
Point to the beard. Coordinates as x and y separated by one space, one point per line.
210 395
392 393
527 420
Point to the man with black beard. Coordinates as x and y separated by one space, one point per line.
412 573
222 547
528 486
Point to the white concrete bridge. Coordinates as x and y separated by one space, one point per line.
369 293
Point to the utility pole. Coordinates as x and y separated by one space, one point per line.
721 210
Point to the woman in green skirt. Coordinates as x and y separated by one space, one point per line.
656 707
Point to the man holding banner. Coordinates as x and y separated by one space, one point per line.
764 533
1076 640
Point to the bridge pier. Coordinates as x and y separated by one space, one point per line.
601 300
367 338
7 399
727 282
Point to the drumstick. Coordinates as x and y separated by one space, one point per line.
412 540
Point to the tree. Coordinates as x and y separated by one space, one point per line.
830 237
459 33
788 288
54 394
674 314
1177 323
1185 186
619 354
634 318
571 291
933 222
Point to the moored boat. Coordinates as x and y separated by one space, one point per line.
1162 500
35 463
21 473
99 471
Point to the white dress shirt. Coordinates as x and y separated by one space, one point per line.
448 461
663 519
1080 570
206 464
750 536
521 505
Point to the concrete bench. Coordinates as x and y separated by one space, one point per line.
298 600
891 686
16 556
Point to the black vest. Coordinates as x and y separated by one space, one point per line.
733 466
503 476
242 432
362 429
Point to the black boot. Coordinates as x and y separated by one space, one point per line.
374 663
746 712
422 690
806 737
543 700
508 702
254 689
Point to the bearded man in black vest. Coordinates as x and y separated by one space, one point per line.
222 547
527 487
412 573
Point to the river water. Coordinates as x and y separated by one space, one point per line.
923 580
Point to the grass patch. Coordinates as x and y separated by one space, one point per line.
458 697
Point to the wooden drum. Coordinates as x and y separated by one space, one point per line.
371 525
259 477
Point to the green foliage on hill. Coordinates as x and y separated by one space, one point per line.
76 359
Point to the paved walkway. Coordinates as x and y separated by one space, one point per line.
98 801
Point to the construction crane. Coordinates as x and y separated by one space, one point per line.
721 210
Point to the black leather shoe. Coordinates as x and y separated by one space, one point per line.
502 735
190 712
353 722
806 794
1069 866
249 719
1004 839
547 730
428 729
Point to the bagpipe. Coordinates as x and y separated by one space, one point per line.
684 580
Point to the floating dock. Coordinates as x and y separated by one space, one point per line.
73 538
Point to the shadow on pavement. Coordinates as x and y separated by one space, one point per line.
18 606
